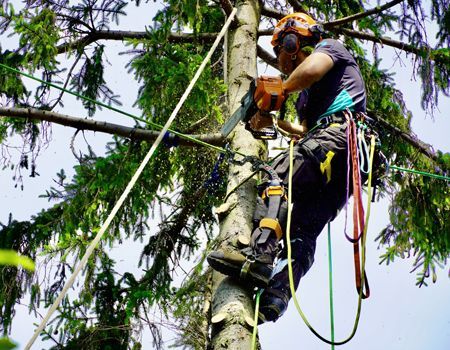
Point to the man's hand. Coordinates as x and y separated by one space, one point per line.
260 121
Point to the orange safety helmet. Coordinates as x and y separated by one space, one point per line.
299 24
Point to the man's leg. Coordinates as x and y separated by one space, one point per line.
255 264
309 217
303 233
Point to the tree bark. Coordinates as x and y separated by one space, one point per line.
232 305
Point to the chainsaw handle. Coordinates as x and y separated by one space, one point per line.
268 133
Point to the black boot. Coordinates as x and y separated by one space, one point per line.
255 270
273 304
275 298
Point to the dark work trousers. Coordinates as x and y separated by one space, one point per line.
315 203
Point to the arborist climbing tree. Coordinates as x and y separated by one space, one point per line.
332 99
188 188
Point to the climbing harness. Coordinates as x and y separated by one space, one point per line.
130 185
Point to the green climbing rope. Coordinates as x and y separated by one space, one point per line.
418 172
330 282
117 110
179 134
255 319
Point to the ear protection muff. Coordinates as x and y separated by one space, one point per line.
317 31
290 43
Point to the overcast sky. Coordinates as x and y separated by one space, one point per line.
398 315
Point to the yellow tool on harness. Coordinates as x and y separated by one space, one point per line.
325 166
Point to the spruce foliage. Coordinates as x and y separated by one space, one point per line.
171 194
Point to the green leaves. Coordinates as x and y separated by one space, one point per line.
11 258
170 204
90 82
38 38
11 84
7 344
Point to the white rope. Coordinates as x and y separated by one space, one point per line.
130 185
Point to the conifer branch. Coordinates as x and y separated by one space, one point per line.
104 127
422 147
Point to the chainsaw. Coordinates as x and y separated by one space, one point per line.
265 94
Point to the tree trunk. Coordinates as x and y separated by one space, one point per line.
232 306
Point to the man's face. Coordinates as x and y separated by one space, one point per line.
285 62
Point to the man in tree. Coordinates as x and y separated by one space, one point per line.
331 92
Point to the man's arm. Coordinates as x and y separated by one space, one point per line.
293 128
311 70
259 121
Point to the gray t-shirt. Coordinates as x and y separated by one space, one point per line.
342 87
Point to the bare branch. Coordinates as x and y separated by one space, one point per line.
105 127
267 57
122 35
333 26
209 37
374 11
370 37
69 76
268 12
382 40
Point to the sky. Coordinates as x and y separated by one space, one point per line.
398 315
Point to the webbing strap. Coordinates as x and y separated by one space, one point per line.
270 223
358 210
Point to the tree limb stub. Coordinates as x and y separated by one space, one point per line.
226 6
102 126
267 57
